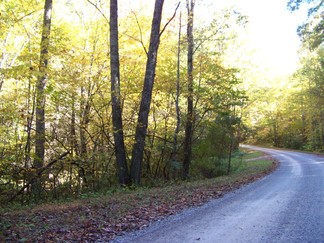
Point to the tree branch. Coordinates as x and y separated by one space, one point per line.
39 173
103 15
141 34
174 14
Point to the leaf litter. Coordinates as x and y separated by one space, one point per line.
104 218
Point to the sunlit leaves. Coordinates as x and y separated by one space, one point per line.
312 31
78 110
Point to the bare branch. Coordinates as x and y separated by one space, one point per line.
174 14
39 173
141 34
132 37
103 15
27 15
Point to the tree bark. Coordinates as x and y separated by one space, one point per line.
85 109
142 122
74 147
40 95
121 161
177 129
190 115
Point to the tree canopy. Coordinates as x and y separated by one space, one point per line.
105 124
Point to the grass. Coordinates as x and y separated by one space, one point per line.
250 154
252 162
102 217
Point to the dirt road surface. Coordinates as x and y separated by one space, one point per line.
286 206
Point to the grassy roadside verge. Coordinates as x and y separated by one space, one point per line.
104 217
308 151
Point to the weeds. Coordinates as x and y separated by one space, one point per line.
102 217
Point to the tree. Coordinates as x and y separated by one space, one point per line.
40 95
312 31
177 107
121 162
190 112
311 80
79 105
142 121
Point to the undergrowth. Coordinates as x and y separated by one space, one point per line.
103 216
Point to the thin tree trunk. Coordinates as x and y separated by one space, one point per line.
85 108
142 122
177 129
151 141
190 115
29 122
73 142
230 154
121 161
3 58
40 95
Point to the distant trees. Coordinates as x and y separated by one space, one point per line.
310 78
294 117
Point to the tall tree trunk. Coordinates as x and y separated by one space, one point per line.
121 161
190 115
40 94
29 122
3 58
74 147
85 108
177 129
142 122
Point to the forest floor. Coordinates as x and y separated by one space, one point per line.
104 217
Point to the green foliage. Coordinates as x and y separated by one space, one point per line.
311 32
78 98
294 118
212 153
241 162
210 167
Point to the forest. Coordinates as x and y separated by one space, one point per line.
98 94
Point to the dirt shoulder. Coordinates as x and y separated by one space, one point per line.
104 217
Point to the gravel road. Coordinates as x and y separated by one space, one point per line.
286 206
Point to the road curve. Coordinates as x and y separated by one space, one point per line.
286 206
